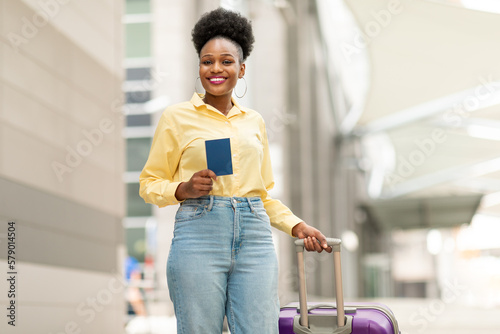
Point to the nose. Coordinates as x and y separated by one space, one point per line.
216 68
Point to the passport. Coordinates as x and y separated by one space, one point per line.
219 156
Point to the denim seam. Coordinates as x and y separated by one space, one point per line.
233 321
178 309
233 251
211 204
192 218
250 205
256 214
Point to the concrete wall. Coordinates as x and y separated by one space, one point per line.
323 190
61 164
176 61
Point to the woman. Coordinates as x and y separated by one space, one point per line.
222 259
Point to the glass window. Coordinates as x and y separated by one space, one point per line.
138 7
138 40
139 73
137 153
139 120
136 242
138 96
136 207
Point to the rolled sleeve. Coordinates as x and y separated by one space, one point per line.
280 215
157 185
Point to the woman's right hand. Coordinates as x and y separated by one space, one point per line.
200 184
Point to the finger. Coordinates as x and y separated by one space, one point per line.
306 243
204 187
197 186
201 177
324 243
201 174
320 238
207 173
317 246
212 175
310 244
204 181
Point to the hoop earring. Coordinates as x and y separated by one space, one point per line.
195 90
246 86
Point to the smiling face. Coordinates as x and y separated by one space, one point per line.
220 67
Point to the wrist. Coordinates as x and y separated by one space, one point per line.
297 228
179 192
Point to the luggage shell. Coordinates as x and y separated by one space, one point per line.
317 318
365 318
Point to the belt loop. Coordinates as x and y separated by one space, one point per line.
250 204
211 204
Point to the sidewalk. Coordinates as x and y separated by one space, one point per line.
415 316
153 325
435 317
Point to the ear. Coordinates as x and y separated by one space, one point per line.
242 71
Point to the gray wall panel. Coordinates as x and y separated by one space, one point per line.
54 231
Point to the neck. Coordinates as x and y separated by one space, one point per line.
221 103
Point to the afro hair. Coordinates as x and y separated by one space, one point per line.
225 24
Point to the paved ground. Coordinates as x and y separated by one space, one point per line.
415 316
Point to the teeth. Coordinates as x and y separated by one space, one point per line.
217 79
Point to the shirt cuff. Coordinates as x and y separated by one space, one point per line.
289 224
169 193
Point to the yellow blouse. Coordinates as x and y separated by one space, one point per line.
178 151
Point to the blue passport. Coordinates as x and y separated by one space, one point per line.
219 156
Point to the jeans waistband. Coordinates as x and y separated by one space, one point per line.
235 202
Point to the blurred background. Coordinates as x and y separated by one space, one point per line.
384 123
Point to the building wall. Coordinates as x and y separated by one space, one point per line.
61 163
323 189
174 57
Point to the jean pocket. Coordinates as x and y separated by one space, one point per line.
189 212
261 213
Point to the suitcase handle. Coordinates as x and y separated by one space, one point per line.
347 310
333 242
339 295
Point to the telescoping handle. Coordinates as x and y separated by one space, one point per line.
304 316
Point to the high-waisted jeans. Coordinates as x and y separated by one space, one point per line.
222 262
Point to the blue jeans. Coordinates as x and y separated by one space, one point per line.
222 262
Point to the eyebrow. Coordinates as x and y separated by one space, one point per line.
222 54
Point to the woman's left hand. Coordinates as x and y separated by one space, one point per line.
311 237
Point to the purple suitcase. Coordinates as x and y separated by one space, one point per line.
316 318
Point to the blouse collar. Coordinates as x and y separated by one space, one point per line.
197 101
